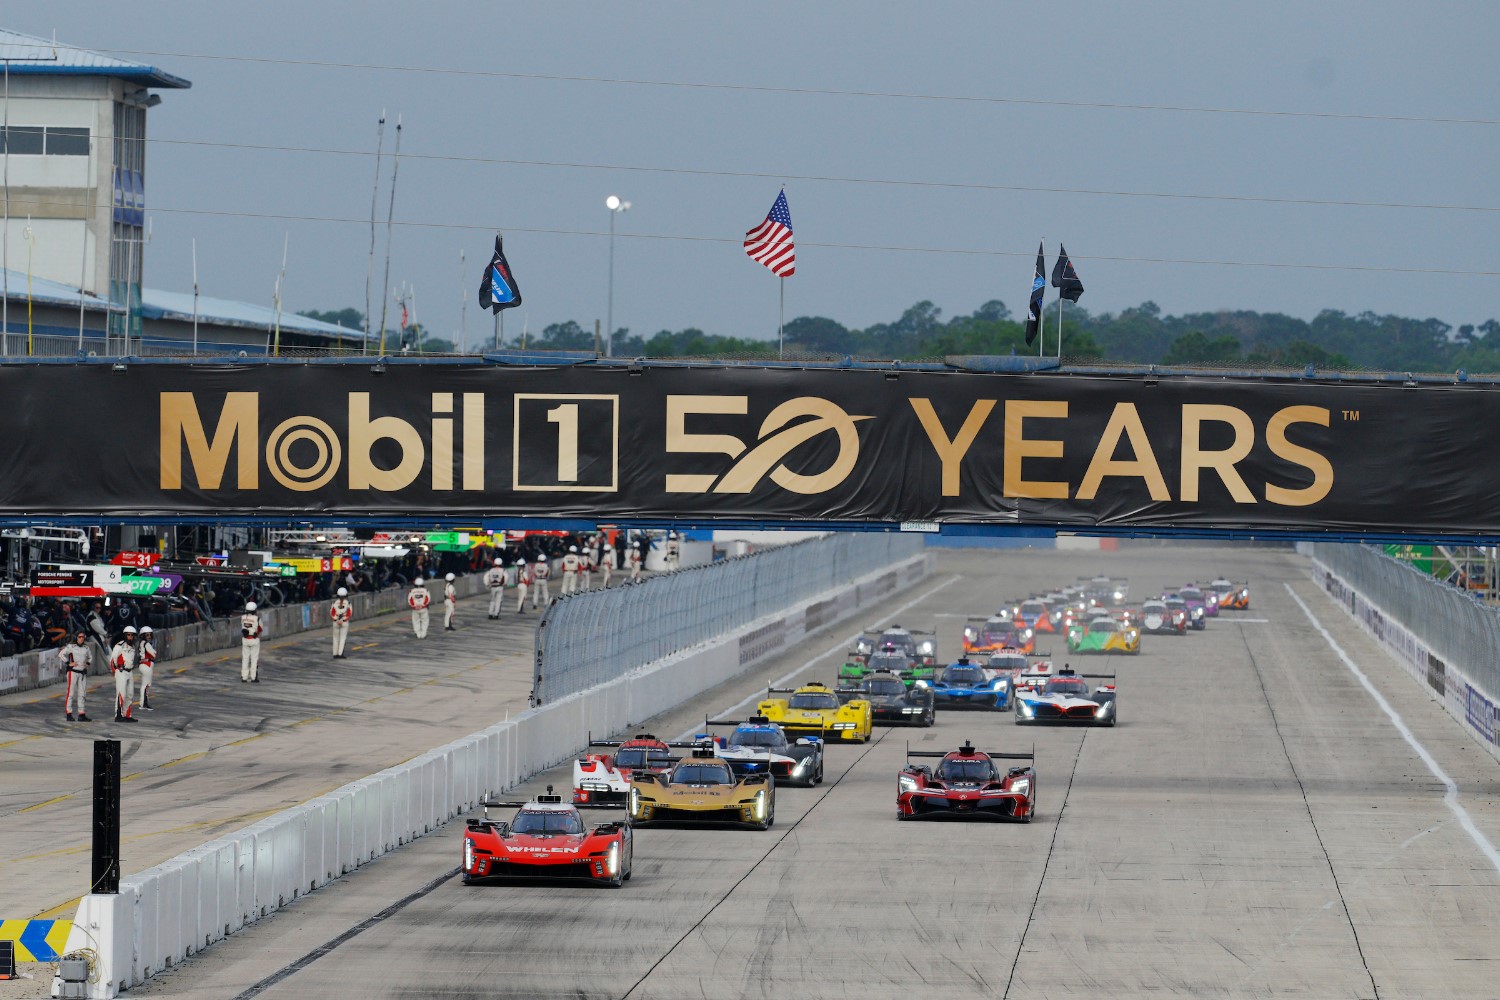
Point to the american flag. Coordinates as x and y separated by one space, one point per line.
771 243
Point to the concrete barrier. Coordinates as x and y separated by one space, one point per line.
40 667
171 911
1445 680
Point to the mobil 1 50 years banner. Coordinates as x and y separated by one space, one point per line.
843 445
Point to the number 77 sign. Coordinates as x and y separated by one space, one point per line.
566 443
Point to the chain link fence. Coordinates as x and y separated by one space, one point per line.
592 637
1453 624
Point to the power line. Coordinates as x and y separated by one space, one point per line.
835 179
814 91
886 248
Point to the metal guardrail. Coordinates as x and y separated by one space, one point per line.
589 638
1451 622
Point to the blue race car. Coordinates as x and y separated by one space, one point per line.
760 746
968 685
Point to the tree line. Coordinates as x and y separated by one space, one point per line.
1139 335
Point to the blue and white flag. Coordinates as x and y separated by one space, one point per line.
499 290
1038 288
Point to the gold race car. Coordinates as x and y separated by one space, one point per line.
814 710
702 788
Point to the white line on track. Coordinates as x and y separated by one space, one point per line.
1450 799
841 644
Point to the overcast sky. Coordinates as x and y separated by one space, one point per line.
1366 58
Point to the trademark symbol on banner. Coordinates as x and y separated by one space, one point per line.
1352 416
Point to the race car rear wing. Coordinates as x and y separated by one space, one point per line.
487 803
638 736
914 631
968 748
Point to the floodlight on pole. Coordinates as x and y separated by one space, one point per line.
615 206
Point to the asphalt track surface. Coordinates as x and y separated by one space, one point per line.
1256 826
215 755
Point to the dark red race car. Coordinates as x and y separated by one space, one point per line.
547 839
967 784
604 778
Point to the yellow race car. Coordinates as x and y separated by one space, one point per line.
702 788
1104 634
814 710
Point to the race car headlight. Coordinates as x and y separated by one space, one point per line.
1021 786
920 684
1104 709
1197 612
1025 709
842 725
905 783
612 859
968 633
911 711
925 648
1027 633
760 804
1001 685
635 799
468 855
1119 596
802 764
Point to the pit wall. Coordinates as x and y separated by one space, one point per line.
173 910
1447 681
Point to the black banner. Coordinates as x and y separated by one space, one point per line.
608 443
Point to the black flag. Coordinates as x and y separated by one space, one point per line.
1038 287
1064 278
499 290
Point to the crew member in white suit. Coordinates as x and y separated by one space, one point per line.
251 630
571 563
342 613
540 589
607 563
76 660
122 663
418 600
494 578
450 602
523 584
145 662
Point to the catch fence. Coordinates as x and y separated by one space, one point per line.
1457 627
592 637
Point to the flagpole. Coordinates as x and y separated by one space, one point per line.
1059 324
781 322
389 218
374 195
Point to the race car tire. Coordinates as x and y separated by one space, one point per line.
903 817
930 719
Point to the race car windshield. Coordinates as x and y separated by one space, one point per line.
999 636
756 738
642 757
963 675
901 640
1033 608
1153 607
1066 685
1008 662
1192 594
537 821
1177 605
702 774
889 661
887 686
978 769
1103 626
814 702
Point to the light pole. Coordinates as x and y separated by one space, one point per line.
615 206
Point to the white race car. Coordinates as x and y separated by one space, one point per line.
1066 697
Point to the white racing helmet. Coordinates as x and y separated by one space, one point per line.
249 605
419 581
343 591
540 560
449 577
572 548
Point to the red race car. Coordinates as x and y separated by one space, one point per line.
547 839
967 784
603 779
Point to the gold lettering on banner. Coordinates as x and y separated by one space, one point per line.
473 453
1126 421
442 441
237 427
364 474
767 455
1195 459
679 440
1018 448
1320 467
951 453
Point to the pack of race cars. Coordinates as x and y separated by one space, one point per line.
891 677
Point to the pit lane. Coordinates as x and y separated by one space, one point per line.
1253 827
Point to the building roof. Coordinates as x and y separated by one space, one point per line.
157 304
178 307
28 55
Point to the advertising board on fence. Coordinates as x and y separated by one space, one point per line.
772 444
